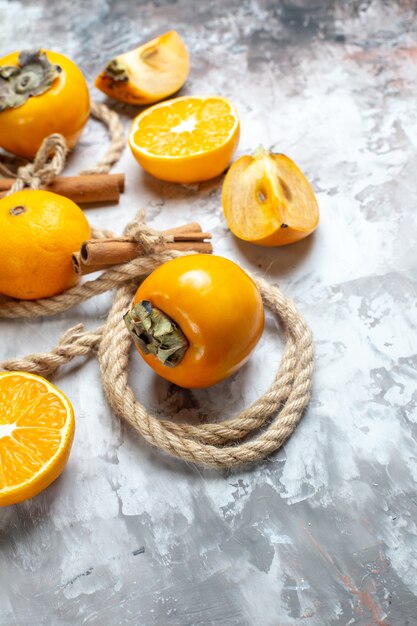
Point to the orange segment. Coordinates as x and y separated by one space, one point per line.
36 434
267 200
186 140
149 73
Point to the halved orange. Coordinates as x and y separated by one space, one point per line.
186 140
267 200
36 434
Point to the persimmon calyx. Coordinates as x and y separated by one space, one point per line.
260 151
117 71
156 333
32 77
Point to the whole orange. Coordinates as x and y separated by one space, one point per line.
39 232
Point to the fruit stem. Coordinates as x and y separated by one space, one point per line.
117 71
260 151
156 333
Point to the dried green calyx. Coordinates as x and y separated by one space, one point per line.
33 76
116 71
156 333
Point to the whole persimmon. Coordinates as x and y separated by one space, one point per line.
41 92
196 319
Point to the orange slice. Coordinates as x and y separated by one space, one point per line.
267 200
149 73
36 433
186 140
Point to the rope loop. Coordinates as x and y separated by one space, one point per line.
268 422
48 163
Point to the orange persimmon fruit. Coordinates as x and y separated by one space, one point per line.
186 140
39 232
41 92
267 200
36 434
147 74
196 319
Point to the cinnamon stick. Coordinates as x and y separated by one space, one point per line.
99 254
81 269
81 189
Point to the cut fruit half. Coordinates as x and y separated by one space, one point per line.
186 140
36 434
149 73
267 200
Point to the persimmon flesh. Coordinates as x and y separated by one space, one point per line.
268 201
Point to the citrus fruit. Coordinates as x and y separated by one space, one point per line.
36 434
41 93
147 74
39 232
267 200
186 140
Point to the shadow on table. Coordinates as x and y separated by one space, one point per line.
278 261
20 520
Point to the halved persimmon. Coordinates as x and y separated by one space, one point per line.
267 200
149 73
36 433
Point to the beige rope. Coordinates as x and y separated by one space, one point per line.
48 163
117 138
51 156
273 417
74 342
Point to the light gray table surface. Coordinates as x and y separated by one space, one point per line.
323 532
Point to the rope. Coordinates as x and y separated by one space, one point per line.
51 156
269 421
48 163
74 342
111 120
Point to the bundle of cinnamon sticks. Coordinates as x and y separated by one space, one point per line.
98 254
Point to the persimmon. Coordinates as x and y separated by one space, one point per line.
196 319
40 231
147 74
267 200
41 92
